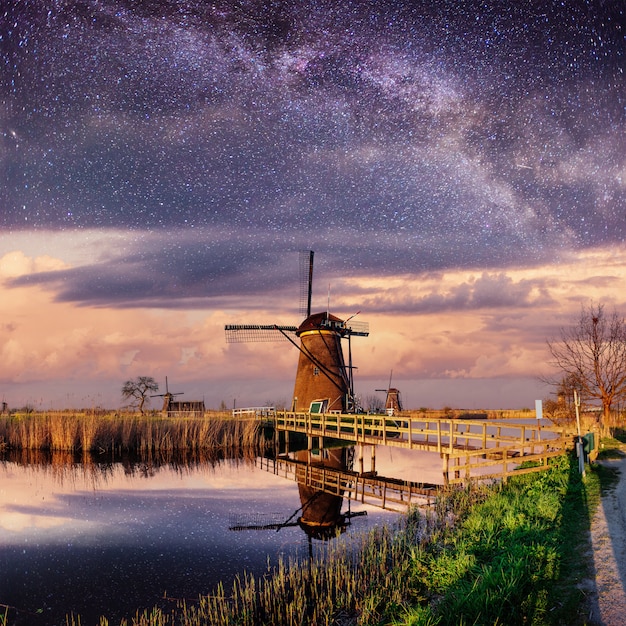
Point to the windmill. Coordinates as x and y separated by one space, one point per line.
393 403
323 380
167 397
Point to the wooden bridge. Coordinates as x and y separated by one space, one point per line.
470 449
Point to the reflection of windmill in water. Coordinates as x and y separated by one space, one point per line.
321 511
323 380
319 514
393 402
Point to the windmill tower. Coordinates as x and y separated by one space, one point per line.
393 402
324 382
168 397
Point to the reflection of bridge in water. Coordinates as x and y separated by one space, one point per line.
364 487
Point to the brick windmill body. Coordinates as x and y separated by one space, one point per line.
324 382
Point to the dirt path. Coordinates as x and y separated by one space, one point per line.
608 538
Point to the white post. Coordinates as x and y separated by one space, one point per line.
539 415
580 451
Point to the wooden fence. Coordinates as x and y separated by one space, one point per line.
470 449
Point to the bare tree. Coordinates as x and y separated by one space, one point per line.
592 357
139 388
375 404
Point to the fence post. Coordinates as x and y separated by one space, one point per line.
451 446
505 466
438 435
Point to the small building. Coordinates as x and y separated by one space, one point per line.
184 408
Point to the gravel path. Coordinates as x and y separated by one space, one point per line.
607 593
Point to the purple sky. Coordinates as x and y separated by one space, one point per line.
458 168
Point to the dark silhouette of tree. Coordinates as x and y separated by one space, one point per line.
139 388
375 404
592 357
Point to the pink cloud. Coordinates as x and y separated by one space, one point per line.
497 332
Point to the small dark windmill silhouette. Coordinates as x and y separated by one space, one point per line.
393 402
168 396
323 380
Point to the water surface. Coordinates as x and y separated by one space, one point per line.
110 538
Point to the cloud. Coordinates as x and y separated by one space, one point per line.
15 264
211 267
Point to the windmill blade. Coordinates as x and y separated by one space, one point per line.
360 329
257 333
167 392
259 521
306 282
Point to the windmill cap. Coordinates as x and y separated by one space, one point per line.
322 321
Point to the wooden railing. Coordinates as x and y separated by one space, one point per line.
470 449
254 412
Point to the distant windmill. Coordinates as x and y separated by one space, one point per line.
167 397
393 403
323 380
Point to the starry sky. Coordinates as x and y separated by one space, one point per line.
459 169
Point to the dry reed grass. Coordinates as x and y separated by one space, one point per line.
143 434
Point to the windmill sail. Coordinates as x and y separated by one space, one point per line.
256 333
306 281
323 378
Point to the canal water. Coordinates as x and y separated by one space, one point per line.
110 538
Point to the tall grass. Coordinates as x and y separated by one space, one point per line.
147 434
516 558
